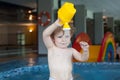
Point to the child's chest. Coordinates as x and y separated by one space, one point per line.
62 53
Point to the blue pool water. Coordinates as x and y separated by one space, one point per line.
37 69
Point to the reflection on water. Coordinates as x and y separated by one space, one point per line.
22 51
31 61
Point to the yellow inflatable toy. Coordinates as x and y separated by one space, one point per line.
98 53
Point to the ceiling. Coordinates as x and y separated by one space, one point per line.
26 3
109 8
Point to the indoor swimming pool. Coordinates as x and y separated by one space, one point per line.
37 69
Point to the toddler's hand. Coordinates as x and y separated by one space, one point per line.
57 22
84 45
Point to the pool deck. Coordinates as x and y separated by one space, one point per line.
7 55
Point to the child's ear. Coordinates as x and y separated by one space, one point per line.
53 39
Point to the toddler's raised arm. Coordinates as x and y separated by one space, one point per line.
48 31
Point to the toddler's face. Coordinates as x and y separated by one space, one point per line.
62 40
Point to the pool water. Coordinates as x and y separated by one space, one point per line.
27 73
20 70
98 71
5 66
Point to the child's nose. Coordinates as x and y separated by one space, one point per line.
63 39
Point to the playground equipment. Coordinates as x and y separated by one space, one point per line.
98 53
108 48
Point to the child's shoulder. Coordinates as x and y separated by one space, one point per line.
72 49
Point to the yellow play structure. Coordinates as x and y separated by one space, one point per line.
106 51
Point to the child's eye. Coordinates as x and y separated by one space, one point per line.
59 36
67 36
